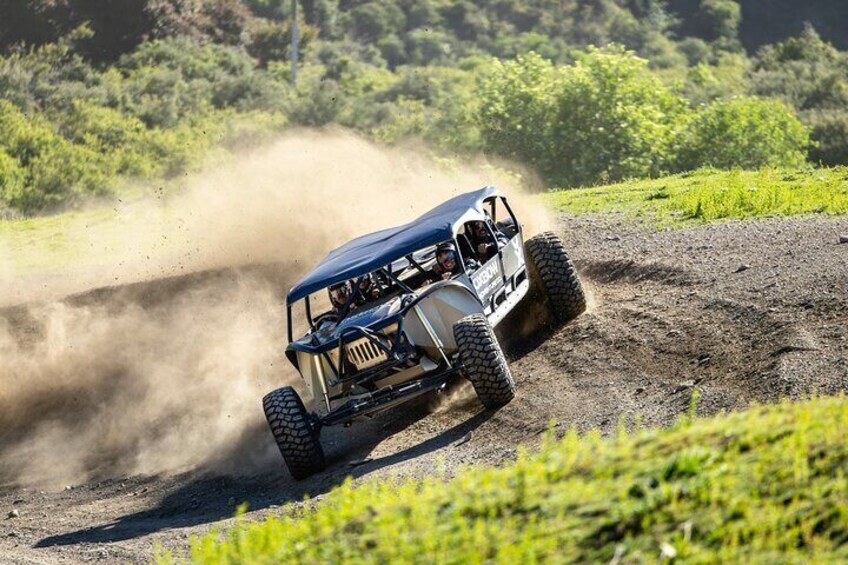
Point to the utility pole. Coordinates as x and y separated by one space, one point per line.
294 45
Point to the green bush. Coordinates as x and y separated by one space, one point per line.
829 132
719 20
165 81
803 71
181 148
318 101
604 118
393 50
191 58
51 76
58 172
426 46
271 41
249 92
607 118
158 112
724 77
516 115
161 97
369 21
811 75
12 178
743 132
110 133
244 130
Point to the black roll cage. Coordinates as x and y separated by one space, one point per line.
387 271
395 353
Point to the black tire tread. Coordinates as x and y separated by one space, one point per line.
557 276
483 362
298 441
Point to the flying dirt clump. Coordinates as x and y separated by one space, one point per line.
149 370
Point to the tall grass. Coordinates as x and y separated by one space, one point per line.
764 486
709 195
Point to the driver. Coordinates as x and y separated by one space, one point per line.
482 241
339 295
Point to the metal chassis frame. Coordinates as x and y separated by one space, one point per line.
387 397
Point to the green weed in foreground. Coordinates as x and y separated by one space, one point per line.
764 486
708 195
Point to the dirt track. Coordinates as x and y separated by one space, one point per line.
742 311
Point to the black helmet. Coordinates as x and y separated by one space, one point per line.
446 252
339 293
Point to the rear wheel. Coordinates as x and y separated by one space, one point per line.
295 436
483 362
555 276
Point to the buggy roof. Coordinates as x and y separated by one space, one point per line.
370 252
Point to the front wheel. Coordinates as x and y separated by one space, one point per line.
483 362
295 436
555 276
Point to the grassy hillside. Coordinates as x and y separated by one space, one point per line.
707 195
763 486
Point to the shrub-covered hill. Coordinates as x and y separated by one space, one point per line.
767 485
90 104
70 131
766 21
403 30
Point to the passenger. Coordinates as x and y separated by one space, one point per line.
482 241
447 263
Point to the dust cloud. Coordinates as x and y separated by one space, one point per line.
159 361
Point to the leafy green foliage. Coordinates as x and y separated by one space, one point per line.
119 26
708 195
763 485
167 80
12 179
73 131
606 117
743 132
271 41
829 133
56 172
812 76
722 76
715 20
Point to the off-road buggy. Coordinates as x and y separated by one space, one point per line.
408 335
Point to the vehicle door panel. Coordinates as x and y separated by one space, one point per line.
487 280
513 256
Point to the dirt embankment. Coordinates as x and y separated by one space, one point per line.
741 312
